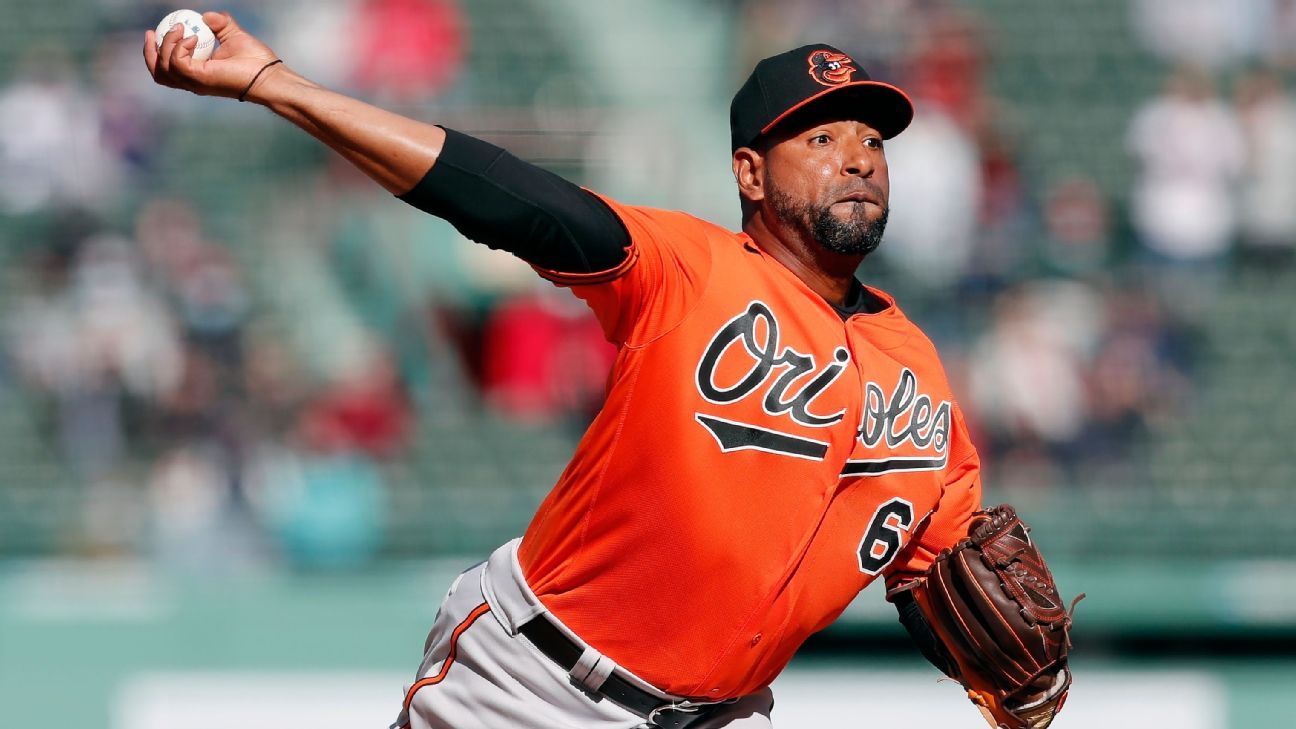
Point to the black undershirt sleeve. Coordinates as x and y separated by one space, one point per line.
912 619
498 200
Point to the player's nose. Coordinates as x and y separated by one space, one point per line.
858 160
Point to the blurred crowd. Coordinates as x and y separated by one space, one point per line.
141 350
252 399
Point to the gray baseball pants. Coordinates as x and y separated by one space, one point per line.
478 671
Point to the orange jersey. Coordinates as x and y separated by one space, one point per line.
758 462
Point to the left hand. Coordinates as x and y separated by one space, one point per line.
993 605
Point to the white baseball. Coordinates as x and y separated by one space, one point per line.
193 25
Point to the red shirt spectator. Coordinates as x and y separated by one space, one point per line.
409 49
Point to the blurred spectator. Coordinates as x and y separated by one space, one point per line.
1077 226
408 50
935 200
129 127
364 410
193 410
1268 201
95 339
1278 39
1070 378
1026 374
195 526
211 302
170 235
1189 147
875 33
202 281
396 51
323 511
294 30
1138 375
51 151
1212 33
546 358
946 63
126 334
1005 222
273 381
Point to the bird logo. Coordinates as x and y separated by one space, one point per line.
831 68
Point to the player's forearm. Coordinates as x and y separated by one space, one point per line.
394 150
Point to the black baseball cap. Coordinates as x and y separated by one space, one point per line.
783 84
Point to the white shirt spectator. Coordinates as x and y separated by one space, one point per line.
1212 33
935 199
50 148
1269 183
1190 150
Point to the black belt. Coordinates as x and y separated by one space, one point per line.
566 653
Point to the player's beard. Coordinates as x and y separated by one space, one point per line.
855 236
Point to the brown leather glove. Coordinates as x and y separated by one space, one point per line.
993 605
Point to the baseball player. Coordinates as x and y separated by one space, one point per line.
775 437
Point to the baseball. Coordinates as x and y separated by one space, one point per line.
193 25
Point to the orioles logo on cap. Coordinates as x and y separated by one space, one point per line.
830 68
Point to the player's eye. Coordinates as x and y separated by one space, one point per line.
820 139
873 142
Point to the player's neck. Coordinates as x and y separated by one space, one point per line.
827 273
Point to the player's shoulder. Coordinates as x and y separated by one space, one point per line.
674 221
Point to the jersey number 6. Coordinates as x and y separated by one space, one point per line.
882 540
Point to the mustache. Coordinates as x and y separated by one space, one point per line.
867 188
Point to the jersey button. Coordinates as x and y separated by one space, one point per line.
755 639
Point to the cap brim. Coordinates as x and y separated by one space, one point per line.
884 107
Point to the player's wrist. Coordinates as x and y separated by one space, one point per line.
275 86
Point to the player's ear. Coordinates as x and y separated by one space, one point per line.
749 173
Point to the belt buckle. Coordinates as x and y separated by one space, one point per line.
662 715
